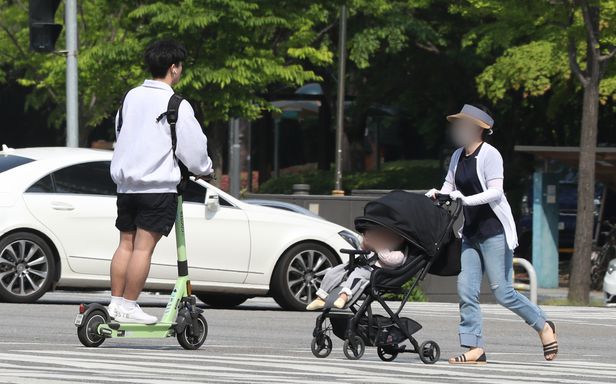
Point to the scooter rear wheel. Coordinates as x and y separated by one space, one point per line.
87 332
196 340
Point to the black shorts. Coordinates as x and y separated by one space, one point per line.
153 212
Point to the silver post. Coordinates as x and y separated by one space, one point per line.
234 157
276 146
72 101
340 101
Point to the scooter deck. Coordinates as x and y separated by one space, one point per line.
132 330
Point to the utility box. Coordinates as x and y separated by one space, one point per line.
545 228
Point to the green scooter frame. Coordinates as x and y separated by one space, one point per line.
182 318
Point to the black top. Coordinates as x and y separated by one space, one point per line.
480 220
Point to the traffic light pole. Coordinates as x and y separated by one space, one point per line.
340 102
72 100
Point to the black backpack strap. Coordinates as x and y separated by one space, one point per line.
172 117
173 108
119 127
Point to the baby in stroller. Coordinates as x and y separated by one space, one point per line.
408 236
388 252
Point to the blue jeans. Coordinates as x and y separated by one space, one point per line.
492 256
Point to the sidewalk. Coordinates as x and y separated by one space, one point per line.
550 295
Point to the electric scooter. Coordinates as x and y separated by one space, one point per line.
182 318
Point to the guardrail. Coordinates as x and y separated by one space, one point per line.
532 279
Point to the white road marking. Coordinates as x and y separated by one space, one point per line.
111 365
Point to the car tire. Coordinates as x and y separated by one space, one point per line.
299 273
222 301
27 267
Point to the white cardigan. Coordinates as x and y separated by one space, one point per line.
489 167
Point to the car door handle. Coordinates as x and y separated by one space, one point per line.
59 206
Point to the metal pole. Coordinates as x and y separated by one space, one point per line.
340 103
532 279
72 100
234 157
276 147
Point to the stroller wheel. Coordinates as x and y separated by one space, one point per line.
387 353
429 352
321 346
354 348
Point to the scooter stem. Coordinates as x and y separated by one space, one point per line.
180 239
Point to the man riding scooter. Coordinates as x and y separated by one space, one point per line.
146 169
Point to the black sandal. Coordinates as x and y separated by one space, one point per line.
459 360
551 348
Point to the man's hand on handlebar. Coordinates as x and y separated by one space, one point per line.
207 178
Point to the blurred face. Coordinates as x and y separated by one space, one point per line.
378 239
464 132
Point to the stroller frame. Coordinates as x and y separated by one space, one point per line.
355 340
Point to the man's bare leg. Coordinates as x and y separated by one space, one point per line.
119 263
139 263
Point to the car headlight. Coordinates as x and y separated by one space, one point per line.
350 238
612 267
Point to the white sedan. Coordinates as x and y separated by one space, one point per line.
57 214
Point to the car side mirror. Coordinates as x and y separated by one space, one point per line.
211 202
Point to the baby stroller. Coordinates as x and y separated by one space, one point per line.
432 247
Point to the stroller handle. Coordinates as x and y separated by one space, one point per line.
355 252
443 198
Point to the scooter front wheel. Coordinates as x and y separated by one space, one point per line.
88 331
193 337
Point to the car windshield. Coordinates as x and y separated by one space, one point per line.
11 161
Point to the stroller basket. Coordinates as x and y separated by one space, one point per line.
382 331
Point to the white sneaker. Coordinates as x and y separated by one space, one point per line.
113 309
134 315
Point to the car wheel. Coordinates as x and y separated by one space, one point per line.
217 300
299 274
26 267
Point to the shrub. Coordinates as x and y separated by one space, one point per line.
417 295
404 174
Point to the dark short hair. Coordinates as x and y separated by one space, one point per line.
162 54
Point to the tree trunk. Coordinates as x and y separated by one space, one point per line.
579 280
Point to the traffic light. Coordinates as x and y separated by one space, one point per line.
43 31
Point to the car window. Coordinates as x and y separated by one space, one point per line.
195 193
44 185
11 161
86 178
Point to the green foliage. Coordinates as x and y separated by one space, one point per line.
416 296
529 39
410 174
240 49
530 68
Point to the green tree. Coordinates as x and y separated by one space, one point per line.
544 44
241 51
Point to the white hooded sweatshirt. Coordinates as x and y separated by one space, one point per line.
143 160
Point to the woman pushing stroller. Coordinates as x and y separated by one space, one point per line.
388 248
475 177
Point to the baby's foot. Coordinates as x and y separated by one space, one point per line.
341 301
317 303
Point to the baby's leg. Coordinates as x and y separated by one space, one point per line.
356 281
331 280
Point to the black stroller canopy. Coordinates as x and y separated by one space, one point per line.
411 215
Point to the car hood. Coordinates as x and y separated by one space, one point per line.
283 216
